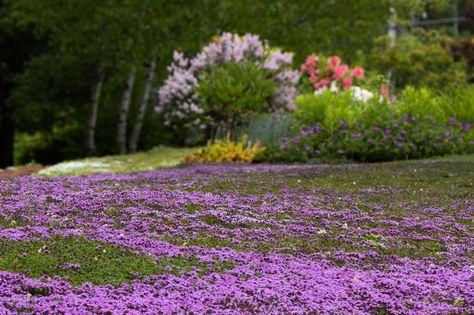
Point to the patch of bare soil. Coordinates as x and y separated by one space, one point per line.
21 170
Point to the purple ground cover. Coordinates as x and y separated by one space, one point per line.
397 239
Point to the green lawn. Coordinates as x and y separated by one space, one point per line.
137 162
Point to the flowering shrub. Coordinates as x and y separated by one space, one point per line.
179 98
324 73
226 150
387 139
420 124
233 92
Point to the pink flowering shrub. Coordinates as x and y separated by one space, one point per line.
179 99
324 73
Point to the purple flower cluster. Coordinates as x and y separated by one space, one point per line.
178 98
295 248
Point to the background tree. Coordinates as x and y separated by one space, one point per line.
65 91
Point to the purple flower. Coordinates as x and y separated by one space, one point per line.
343 123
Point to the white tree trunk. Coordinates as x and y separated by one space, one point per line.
143 105
123 112
92 118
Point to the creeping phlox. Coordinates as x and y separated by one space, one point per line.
178 98
262 239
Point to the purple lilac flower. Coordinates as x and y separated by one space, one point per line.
178 98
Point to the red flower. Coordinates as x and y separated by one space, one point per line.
324 82
334 61
358 72
311 60
339 71
347 82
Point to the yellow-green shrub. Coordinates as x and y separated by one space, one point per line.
227 150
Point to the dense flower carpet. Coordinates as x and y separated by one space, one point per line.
266 239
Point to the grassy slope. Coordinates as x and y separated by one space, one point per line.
137 162
159 158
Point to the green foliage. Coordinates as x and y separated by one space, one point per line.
387 140
421 124
78 261
226 150
459 102
420 103
67 43
230 93
418 59
328 109
268 128
49 148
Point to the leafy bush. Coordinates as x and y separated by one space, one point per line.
419 59
420 103
391 139
459 102
226 150
328 109
464 49
232 92
185 104
421 124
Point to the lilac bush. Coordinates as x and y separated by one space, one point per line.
178 97
268 240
